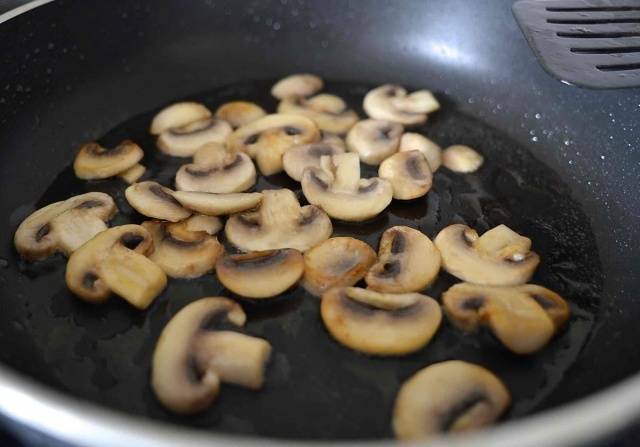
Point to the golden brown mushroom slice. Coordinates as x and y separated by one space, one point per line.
407 262
297 85
177 115
336 262
374 140
380 324
409 174
63 226
280 222
133 174
240 113
151 199
200 222
461 158
181 252
185 140
114 261
191 359
211 204
393 103
223 172
260 274
298 158
412 141
452 396
523 318
500 257
329 112
97 162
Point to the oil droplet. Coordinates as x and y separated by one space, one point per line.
538 116
534 139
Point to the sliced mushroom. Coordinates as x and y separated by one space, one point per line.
380 324
191 359
298 158
411 141
230 172
268 138
297 85
178 115
409 174
280 222
63 226
240 113
407 262
180 252
329 112
392 103
374 140
336 262
97 162
460 158
208 224
151 199
218 204
500 257
523 318
333 140
185 140
211 153
114 261
338 189
451 396
133 174
260 274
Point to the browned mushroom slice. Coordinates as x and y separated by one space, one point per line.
380 324
191 359
240 113
298 158
409 174
97 162
208 224
411 141
184 141
451 396
133 174
114 261
177 115
392 103
211 154
63 226
500 257
232 172
336 262
374 140
297 85
218 204
151 199
329 112
460 158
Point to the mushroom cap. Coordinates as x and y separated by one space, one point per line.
412 141
336 262
280 222
240 113
500 257
208 224
374 140
461 158
407 262
177 115
392 103
180 252
234 173
63 226
450 396
298 158
329 112
338 189
133 174
260 274
523 318
218 204
380 324
97 162
268 138
151 199
185 140
409 174
302 84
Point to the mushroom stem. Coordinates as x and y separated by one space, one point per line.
346 169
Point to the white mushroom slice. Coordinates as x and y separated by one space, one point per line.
211 154
151 199
114 261
217 204
185 140
234 172
63 226
297 85
500 257
180 252
240 113
329 112
523 318
336 262
268 138
260 274
392 103
200 222
191 359
96 162
412 141
298 158
338 189
177 115
374 140
133 174
380 324
407 262
280 222
460 158
333 140
451 396
409 174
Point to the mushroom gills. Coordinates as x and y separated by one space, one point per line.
409 174
411 141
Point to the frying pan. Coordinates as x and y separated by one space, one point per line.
562 167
